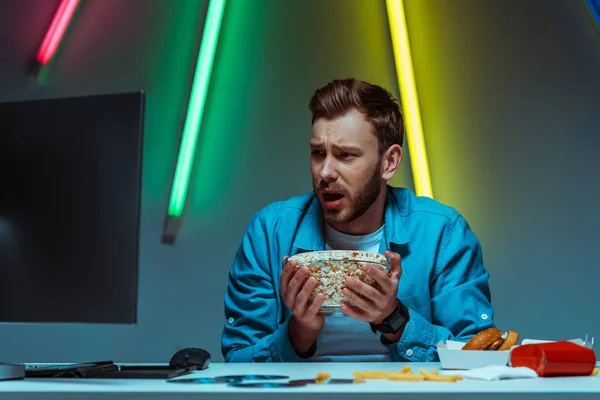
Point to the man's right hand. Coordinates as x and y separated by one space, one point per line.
306 322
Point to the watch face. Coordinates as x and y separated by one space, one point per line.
399 317
396 321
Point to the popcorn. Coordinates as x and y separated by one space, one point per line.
331 268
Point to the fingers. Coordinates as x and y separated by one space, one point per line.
287 271
364 290
315 306
301 301
358 301
388 282
295 285
378 276
355 313
395 272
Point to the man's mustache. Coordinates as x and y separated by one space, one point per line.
334 187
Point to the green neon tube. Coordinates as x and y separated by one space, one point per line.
195 110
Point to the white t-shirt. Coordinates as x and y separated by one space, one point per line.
343 338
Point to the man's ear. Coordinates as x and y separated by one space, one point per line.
391 161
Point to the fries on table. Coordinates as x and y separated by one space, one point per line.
322 377
406 374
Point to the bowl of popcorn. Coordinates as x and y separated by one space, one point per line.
331 268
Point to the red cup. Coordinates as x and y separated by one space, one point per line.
555 358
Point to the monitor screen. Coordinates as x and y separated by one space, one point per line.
70 187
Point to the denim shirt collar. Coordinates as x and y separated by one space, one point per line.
310 237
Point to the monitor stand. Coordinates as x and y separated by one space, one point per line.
11 371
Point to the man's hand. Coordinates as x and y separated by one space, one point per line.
373 305
306 322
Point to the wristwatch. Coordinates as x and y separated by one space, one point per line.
394 322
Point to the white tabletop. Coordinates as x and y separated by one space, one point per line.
67 388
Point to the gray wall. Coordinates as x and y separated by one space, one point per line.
511 102
509 93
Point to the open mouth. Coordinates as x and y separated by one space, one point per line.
332 196
333 200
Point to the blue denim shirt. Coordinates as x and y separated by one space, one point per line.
444 283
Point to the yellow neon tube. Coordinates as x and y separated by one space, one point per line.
410 101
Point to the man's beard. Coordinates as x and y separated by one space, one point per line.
359 202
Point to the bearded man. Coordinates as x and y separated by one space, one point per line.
436 289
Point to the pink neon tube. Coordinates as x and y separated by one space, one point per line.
56 31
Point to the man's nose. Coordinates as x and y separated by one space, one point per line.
328 171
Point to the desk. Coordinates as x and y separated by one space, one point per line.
66 388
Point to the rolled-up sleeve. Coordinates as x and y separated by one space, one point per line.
460 298
252 332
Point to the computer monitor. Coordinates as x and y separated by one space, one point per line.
70 188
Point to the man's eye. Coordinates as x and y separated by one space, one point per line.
318 153
347 155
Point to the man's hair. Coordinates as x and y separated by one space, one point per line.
376 104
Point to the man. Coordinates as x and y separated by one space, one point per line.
436 289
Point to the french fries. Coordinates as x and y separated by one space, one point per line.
406 374
439 378
322 377
594 372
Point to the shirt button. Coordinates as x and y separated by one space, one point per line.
409 352
230 320
484 317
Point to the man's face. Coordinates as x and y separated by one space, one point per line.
345 166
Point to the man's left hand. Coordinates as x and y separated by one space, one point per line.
373 305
